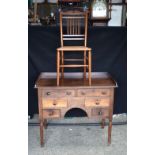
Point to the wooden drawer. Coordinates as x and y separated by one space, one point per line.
93 92
92 102
58 93
51 113
54 103
99 112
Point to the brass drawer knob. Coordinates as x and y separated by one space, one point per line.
83 93
97 103
103 93
54 104
100 113
50 113
68 93
48 93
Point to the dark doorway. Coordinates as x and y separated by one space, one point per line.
76 112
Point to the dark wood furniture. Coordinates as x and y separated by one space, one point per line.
96 100
65 3
73 27
36 7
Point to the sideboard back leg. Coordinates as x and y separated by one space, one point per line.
103 123
45 123
41 134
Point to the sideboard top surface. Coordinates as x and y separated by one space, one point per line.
99 79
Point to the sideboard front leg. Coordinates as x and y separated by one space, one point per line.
110 116
109 132
41 133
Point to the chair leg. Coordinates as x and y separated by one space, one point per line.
84 75
62 62
58 66
89 67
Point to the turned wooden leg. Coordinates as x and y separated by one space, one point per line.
58 67
109 132
103 123
89 66
45 123
84 74
41 133
62 63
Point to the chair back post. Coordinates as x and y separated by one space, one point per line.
61 31
86 28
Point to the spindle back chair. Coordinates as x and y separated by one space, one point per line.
73 27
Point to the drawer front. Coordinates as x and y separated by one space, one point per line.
54 103
105 102
99 112
58 93
93 92
51 113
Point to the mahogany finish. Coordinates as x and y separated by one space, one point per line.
74 92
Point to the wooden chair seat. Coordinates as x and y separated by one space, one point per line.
74 48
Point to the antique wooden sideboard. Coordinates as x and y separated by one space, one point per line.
73 92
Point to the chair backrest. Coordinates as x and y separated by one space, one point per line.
73 26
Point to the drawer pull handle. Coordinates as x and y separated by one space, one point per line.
83 93
97 103
68 93
100 113
103 93
48 93
50 113
54 104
